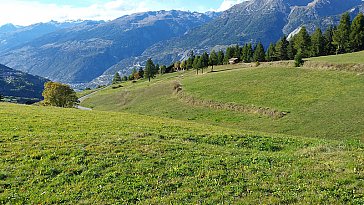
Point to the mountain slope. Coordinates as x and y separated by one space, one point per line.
320 13
12 36
251 21
83 53
20 85
257 20
318 103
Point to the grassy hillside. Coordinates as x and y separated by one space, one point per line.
357 57
318 103
52 156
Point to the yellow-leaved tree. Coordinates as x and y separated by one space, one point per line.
58 94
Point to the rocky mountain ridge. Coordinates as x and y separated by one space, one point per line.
82 53
12 36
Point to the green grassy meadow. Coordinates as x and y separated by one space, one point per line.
52 156
357 57
318 103
148 143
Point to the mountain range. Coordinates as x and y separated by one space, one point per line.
82 53
12 36
20 85
94 52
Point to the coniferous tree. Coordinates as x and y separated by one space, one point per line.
205 60
357 33
328 38
149 71
291 51
303 42
244 52
213 59
259 53
248 53
318 43
341 38
125 78
116 79
220 57
197 63
191 58
237 52
270 54
282 49
228 54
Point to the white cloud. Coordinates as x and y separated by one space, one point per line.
21 12
24 12
227 4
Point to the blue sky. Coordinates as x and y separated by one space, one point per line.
26 12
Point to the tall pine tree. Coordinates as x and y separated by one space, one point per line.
291 51
328 38
303 42
149 70
116 79
248 53
271 51
237 52
341 38
197 63
357 33
259 54
213 59
318 43
205 60
191 58
282 48
220 57
228 54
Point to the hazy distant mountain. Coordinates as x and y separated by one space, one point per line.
21 85
82 53
12 36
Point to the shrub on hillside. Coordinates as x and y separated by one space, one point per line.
298 60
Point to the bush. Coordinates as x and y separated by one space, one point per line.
116 86
298 60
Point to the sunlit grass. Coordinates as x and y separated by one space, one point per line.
52 156
319 103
